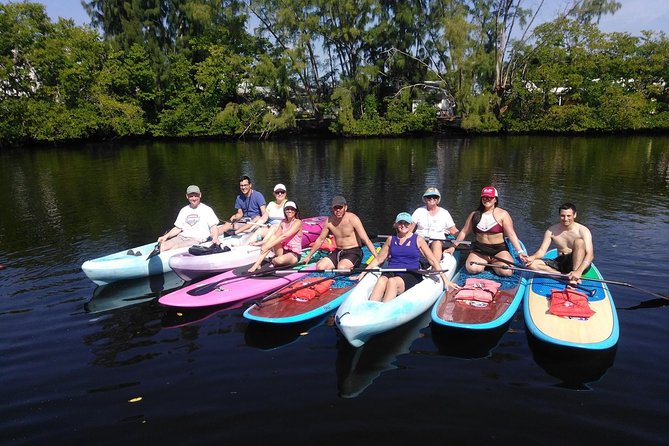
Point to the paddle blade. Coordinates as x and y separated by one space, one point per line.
155 251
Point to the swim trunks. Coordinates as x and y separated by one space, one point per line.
354 255
563 263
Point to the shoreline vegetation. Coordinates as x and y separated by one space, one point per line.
193 69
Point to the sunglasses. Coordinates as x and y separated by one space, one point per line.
403 223
290 209
279 192
432 197
487 198
338 207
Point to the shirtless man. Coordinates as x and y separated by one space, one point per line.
573 242
348 232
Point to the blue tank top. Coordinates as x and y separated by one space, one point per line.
406 255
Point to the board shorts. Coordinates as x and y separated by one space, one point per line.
488 250
179 241
354 255
409 278
563 263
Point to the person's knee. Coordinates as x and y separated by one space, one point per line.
579 244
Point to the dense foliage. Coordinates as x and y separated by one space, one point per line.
354 67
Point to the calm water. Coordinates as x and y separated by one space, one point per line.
75 360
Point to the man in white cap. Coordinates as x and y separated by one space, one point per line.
349 234
194 224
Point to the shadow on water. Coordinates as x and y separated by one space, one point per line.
357 368
180 317
575 368
466 344
652 303
264 336
131 292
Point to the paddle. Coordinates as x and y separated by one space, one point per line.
564 276
448 240
205 289
373 270
155 252
279 293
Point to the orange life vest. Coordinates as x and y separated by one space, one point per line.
307 292
570 303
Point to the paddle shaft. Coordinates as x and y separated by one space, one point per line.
375 270
205 289
280 293
429 240
564 276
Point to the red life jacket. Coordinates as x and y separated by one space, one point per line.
570 303
307 293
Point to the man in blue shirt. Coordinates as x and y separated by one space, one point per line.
250 205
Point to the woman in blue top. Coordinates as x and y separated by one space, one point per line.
402 251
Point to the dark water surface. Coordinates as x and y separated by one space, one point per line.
75 361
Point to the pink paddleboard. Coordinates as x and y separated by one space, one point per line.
231 286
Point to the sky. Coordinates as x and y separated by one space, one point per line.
633 17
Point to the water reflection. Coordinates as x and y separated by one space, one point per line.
357 368
467 344
265 336
132 292
576 369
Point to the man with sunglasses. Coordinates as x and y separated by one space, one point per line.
194 224
349 234
250 205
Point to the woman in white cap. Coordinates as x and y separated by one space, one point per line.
433 222
284 238
273 211
403 250
490 224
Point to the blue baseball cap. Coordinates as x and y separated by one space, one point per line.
403 216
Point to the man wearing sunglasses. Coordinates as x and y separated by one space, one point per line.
250 205
349 234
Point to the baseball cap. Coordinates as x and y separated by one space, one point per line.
403 216
290 204
193 189
279 187
432 191
338 201
489 191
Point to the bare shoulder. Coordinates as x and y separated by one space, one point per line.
501 214
351 217
583 230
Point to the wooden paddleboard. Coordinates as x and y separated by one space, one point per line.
599 331
469 314
289 310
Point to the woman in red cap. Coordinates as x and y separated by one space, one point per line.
491 224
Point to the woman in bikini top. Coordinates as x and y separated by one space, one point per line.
490 224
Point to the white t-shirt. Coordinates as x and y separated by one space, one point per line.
275 212
196 223
432 227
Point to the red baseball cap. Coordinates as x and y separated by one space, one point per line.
489 191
